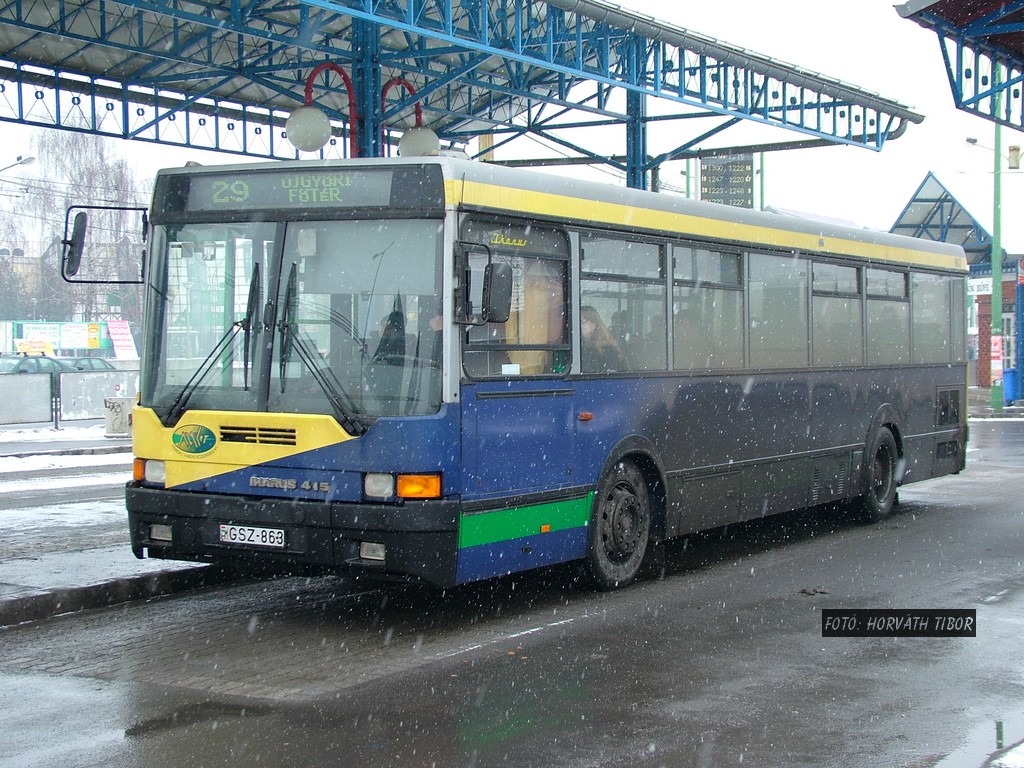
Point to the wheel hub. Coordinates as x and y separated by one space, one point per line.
623 523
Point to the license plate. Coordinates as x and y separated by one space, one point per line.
249 536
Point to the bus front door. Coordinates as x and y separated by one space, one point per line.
518 439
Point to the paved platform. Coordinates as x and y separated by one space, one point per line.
82 577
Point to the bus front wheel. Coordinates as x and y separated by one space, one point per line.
880 480
620 527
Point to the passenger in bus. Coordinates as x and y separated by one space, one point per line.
598 347
391 347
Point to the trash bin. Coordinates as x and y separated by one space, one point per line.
119 416
1010 385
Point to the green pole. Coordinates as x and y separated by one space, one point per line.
997 249
762 180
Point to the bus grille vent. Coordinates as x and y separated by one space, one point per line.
258 435
816 485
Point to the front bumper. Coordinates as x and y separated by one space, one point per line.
420 537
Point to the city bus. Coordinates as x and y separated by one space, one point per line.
441 370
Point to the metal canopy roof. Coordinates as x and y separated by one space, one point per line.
225 75
957 208
982 44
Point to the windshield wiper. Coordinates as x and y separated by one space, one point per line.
181 401
245 324
250 320
344 408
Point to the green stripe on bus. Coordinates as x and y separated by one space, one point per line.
519 522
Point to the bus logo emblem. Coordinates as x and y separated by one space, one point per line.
194 439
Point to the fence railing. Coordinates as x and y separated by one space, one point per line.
27 398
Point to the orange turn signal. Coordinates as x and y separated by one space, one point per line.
418 486
139 470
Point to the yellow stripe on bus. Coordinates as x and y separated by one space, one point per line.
523 201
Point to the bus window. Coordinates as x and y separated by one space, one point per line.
778 311
707 309
622 282
534 341
930 307
836 315
888 311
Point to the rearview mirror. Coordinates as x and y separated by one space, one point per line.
104 244
73 244
497 298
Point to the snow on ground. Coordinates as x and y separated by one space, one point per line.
13 487
77 515
88 470
49 434
12 464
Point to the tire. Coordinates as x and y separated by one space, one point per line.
620 527
880 481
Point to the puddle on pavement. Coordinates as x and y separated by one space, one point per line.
996 743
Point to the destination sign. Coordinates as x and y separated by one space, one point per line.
296 188
290 189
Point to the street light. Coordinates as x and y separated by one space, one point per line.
20 161
308 128
418 141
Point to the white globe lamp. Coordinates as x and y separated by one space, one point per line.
308 128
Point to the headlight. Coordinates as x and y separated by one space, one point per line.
150 470
378 485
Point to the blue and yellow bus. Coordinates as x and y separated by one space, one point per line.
441 370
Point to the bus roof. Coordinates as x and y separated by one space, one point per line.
481 186
474 185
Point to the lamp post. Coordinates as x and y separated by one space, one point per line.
996 265
20 161
996 322
418 141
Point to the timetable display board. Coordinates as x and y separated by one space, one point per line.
728 180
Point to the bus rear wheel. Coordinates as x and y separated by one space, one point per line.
880 479
620 527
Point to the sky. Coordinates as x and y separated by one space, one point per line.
865 44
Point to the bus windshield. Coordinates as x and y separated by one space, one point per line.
336 317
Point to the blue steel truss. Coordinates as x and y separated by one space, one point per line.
983 57
225 75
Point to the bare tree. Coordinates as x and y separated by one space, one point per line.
83 169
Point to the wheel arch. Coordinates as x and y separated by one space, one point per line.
643 453
886 416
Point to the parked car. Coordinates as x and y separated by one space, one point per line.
32 364
88 363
